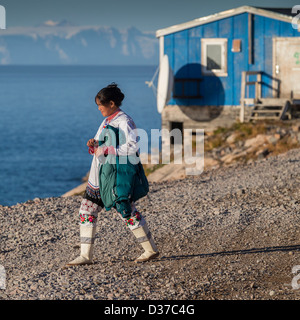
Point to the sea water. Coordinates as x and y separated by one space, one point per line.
47 115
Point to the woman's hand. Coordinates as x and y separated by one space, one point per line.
92 143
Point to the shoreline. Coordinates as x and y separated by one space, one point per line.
241 143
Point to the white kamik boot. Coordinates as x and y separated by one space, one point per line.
87 239
144 237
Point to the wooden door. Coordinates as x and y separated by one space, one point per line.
286 65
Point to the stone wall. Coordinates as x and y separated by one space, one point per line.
202 117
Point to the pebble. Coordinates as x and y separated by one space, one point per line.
218 240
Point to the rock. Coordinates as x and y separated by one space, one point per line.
273 139
283 132
210 162
296 127
228 149
257 141
277 136
212 231
168 172
262 153
293 140
240 143
272 293
34 287
232 137
228 158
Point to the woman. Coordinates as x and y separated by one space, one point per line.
113 182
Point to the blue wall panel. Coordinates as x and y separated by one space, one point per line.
184 51
169 48
258 43
240 59
210 30
226 28
286 30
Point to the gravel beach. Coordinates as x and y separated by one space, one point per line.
230 233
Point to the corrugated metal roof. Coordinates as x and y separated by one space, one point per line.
283 14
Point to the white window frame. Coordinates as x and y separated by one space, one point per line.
214 72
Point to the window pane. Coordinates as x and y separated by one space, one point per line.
213 56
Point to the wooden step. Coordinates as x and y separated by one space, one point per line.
272 101
267 110
264 118
260 107
260 114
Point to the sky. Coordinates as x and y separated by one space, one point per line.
145 15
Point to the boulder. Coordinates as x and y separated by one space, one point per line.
262 153
296 127
257 141
210 162
232 138
273 138
228 158
168 172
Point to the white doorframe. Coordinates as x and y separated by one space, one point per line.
275 39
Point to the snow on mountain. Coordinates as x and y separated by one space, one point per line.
55 43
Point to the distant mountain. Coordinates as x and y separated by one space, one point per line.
55 43
51 23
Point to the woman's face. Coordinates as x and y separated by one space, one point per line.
108 109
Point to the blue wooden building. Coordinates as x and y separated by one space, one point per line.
238 64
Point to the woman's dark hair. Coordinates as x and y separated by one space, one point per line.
110 93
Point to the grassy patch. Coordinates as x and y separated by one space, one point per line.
151 168
244 131
80 193
213 142
283 145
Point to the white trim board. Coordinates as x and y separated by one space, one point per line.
222 15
